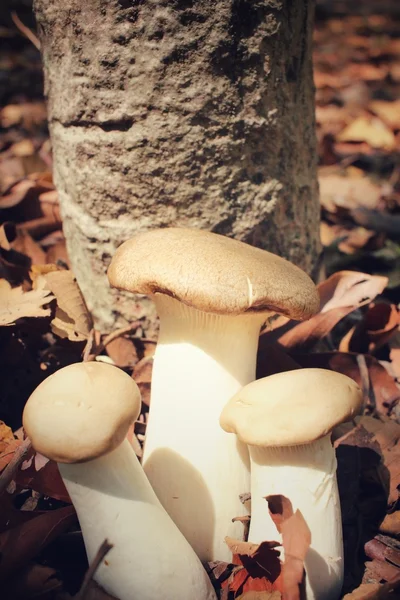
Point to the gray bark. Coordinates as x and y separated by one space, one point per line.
194 113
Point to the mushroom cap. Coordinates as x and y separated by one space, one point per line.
291 408
81 412
212 273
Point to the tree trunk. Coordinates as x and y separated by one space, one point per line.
193 113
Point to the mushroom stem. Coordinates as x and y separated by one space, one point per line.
196 469
150 559
306 474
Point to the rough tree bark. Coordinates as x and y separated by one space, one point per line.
194 113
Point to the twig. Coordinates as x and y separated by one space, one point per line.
101 553
89 345
25 30
19 455
113 336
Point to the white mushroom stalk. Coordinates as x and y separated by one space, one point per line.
79 417
212 294
286 420
305 474
150 558
197 470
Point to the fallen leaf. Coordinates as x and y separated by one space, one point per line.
123 352
275 595
8 445
25 244
391 524
338 191
377 571
350 288
23 148
340 294
27 114
377 221
367 591
16 304
382 437
296 540
22 543
142 375
349 241
373 131
387 111
44 478
72 319
33 582
6 436
378 325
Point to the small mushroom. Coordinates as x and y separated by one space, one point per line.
286 420
212 294
79 417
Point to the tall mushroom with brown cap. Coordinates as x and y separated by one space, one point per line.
79 417
286 420
212 294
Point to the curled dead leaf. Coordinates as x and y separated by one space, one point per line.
16 304
20 544
340 294
296 540
378 325
72 319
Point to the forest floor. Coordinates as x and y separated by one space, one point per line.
44 323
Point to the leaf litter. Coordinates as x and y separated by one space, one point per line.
45 325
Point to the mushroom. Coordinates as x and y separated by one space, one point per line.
212 294
286 420
79 417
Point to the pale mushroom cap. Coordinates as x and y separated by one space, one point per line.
291 408
212 273
81 412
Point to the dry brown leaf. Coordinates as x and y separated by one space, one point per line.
25 244
350 289
142 375
391 524
123 352
27 114
347 191
32 583
373 131
373 591
340 294
377 221
378 325
23 148
258 567
296 540
8 445
303 336
43 477
275 595
6 435
16 304
22 543
382 437
387 111
72 319
378 570
352 240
